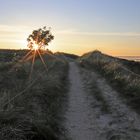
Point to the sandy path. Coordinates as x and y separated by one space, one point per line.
125 122
80 122
85 119
122 123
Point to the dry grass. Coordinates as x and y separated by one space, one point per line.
33 109
126 81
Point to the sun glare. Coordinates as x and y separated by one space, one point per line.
35 47
38 42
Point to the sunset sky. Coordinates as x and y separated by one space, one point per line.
79 26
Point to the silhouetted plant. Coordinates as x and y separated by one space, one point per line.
39 38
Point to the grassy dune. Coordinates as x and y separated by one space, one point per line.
31 107
121 74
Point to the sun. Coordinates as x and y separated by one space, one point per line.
35 47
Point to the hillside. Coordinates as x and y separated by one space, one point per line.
32 97
59 96
123 75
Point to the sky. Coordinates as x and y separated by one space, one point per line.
79 26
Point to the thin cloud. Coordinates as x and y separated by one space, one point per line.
73 32
10 28
13 34
11 40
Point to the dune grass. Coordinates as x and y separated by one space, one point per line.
120 76
31 108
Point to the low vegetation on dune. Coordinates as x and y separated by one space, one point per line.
32 101
34 85
121 74
66 56
131 65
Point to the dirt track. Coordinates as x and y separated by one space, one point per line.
85 119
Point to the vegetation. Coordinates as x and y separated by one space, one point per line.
120 73
66 56
132 65
33 95
39 38
32 105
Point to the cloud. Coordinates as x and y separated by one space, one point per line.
74 32
10 28
13 34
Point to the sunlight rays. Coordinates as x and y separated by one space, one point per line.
25 57
37 42
41 58
33 57
32 65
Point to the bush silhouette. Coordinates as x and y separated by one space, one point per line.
40 37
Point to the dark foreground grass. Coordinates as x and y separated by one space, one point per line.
32 107
118 73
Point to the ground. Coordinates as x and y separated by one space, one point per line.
85 117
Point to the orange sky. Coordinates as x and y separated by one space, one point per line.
71 41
